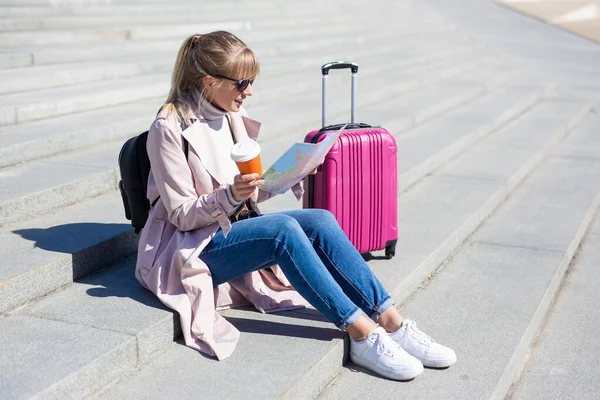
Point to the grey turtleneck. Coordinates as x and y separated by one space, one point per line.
219 137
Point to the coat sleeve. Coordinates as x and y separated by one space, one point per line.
174 181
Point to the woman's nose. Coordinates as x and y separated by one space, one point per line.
248 90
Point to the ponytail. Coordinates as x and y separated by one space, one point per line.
178 78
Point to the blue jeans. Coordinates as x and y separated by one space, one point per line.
313 252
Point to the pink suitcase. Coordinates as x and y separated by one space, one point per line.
358 179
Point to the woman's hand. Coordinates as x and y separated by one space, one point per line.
244 186
314 171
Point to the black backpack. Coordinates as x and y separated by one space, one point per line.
134 166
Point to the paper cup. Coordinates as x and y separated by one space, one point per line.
246 155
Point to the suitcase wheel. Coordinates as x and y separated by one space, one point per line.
390 251
390 248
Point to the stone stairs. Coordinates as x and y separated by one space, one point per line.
498 183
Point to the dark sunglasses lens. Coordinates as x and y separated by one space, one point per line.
243 84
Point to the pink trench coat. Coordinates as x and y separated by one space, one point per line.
193 204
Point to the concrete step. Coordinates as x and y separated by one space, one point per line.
315 362
69 53
561 365
37 105
108 34
58 181
46 253
511 269
45 77
72 177
84 350
63 22
430 146
31 140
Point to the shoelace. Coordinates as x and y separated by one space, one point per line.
383 343
415 332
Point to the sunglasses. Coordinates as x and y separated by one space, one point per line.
240 84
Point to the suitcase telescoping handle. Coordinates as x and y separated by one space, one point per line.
325 71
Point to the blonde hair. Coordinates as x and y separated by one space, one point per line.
214 53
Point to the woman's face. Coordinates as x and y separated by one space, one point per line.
227 97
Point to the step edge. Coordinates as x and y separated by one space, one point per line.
50 146
46 200
122 359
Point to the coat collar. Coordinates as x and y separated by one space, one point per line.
198 130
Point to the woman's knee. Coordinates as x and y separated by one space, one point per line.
288 235
286 225
322 219
324 214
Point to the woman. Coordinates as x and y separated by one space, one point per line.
196 261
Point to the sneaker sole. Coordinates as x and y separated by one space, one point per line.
403 376
439 364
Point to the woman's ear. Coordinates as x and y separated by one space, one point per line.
209 83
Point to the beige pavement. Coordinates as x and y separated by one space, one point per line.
579 17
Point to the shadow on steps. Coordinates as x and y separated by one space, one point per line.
285 329
92 246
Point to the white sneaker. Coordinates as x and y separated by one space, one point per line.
380 354
422 346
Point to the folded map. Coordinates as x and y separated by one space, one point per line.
297 162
